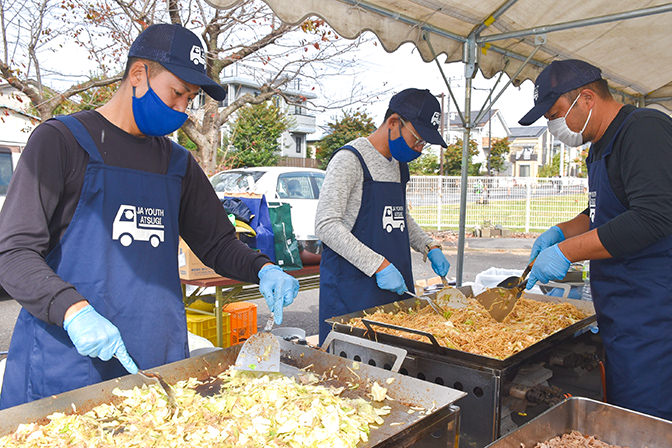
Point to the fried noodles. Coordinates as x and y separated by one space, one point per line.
473 330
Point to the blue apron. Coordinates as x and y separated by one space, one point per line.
120 253
380 225
633 300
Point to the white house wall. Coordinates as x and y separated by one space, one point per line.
16 129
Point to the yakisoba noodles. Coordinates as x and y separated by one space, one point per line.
473 330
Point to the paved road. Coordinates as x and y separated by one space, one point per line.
303 312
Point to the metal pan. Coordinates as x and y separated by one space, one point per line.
340 324
610 424
407 391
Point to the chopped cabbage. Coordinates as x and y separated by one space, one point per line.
251 410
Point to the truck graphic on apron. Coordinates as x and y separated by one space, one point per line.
393 218
138 223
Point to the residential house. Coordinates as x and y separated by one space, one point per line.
534 146
530 148
15 127
293 144
17 123
491 127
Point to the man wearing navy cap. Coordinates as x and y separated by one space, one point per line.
89 230
362 216
626 231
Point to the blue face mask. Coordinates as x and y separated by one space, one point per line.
152 115
400 149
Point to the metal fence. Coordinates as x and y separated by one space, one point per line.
300 162
516 203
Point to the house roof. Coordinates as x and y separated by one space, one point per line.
526 131
455 121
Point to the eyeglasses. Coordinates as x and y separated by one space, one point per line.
419 143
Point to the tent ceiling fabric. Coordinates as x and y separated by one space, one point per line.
634 54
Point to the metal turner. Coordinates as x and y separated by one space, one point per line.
261 352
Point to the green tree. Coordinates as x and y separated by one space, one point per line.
497 157
452 158
427 164
353 124
255 135
550 169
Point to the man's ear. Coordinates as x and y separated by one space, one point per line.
392 121
588 97
137 74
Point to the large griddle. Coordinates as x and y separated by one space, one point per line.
407 391
429 343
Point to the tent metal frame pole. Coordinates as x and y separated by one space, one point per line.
470 68
578 23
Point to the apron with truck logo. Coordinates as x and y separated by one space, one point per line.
633 300
120 253
380 225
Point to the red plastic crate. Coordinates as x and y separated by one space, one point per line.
243 320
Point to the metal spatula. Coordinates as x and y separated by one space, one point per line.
261 352
500 301
440 311
170 393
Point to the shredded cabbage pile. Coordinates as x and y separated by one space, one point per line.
251 410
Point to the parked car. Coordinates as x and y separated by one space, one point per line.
298 187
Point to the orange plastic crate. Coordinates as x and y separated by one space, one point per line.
206 326
243 320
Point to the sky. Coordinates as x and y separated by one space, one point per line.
405 68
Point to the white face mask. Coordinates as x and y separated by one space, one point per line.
559 129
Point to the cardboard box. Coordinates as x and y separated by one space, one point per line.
190 267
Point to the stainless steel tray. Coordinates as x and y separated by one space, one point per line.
407 391
610 424
340 324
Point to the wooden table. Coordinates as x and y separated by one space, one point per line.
228 290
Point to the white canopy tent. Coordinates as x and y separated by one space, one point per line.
629 40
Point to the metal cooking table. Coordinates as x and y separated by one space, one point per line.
482 377
408 430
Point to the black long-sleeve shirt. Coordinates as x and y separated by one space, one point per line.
640 173
44 193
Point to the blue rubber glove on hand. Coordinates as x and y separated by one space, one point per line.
95 336
551 264
278 288
439 263
391 279
550 237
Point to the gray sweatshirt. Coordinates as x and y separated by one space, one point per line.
340 200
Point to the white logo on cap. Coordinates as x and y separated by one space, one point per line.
536 93
436 118
196 55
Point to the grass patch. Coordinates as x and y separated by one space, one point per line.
509 213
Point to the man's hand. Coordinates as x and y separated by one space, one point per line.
391 279
278 288
550 237
551 264
439 263
95 336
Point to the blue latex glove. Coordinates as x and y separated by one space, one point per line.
550 237
439 263
278 288
95 336
551 264
391 279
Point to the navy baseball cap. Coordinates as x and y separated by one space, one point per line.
422 109
180 52
557 78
